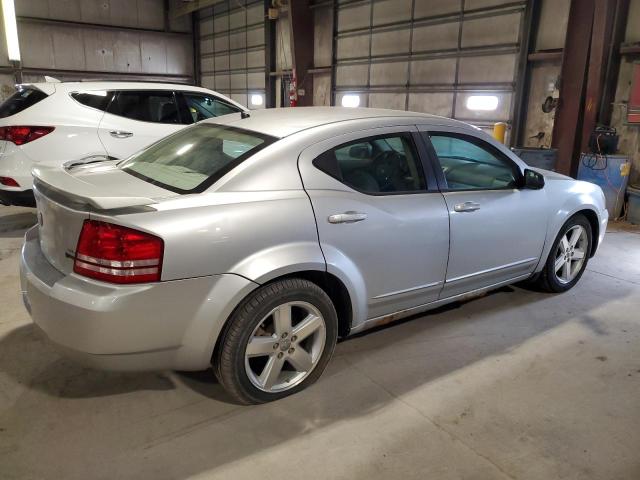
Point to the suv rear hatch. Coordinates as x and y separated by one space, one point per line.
65 198
26 96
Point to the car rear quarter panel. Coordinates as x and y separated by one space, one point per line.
76 129
258 235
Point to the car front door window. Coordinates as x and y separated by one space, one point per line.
469 163
200 106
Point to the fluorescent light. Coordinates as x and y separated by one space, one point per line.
11 30
350 100
482 102
256 100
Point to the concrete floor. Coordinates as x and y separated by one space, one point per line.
516 384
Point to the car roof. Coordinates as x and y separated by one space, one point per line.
282 122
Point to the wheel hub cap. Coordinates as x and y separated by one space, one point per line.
285 344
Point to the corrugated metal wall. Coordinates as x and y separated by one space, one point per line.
429 55
233 49
73 39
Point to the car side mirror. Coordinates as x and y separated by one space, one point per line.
533 180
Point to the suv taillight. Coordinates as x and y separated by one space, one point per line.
117 254
23 134
9 182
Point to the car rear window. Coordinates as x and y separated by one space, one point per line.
21 100
192 159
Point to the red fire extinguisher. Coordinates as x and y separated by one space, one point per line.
293 94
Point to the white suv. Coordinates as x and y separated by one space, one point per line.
56 123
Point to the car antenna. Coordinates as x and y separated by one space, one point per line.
244 114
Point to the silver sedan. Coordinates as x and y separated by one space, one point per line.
252 243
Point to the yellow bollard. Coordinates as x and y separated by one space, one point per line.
499 131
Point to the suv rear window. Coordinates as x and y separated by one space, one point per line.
192 159
21 100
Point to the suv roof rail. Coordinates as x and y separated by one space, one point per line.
127 81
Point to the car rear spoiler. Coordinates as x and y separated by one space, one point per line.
47 88
78 191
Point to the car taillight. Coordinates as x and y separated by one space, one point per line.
23 134
9 182
117 254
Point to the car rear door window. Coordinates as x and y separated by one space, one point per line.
384 164
469 163
98 99
200 106
157 106
21 100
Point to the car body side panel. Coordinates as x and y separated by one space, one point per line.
501 239
75 136
396 258
258 235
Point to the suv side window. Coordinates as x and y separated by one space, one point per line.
200 106
384 164
157 106
469 163
98 99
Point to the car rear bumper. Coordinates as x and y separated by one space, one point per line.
164 325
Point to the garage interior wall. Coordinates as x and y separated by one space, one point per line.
545 67
429 55
233 49
102 39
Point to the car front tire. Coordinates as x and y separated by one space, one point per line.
277 342
568 257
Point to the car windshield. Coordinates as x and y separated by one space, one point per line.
194 158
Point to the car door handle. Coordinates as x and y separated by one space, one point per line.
467 207
347 217
120 134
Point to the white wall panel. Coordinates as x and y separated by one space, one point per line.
428 38
236 62
389 73
433 103
107 36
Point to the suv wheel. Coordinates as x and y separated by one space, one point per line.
277 342
568 257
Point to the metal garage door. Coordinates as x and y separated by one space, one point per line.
446 57
232 50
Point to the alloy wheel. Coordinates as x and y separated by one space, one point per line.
285 346
570 254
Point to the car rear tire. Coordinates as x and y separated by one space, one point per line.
568 257
277 342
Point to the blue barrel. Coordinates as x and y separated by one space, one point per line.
633 214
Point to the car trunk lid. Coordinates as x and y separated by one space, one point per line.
65 198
